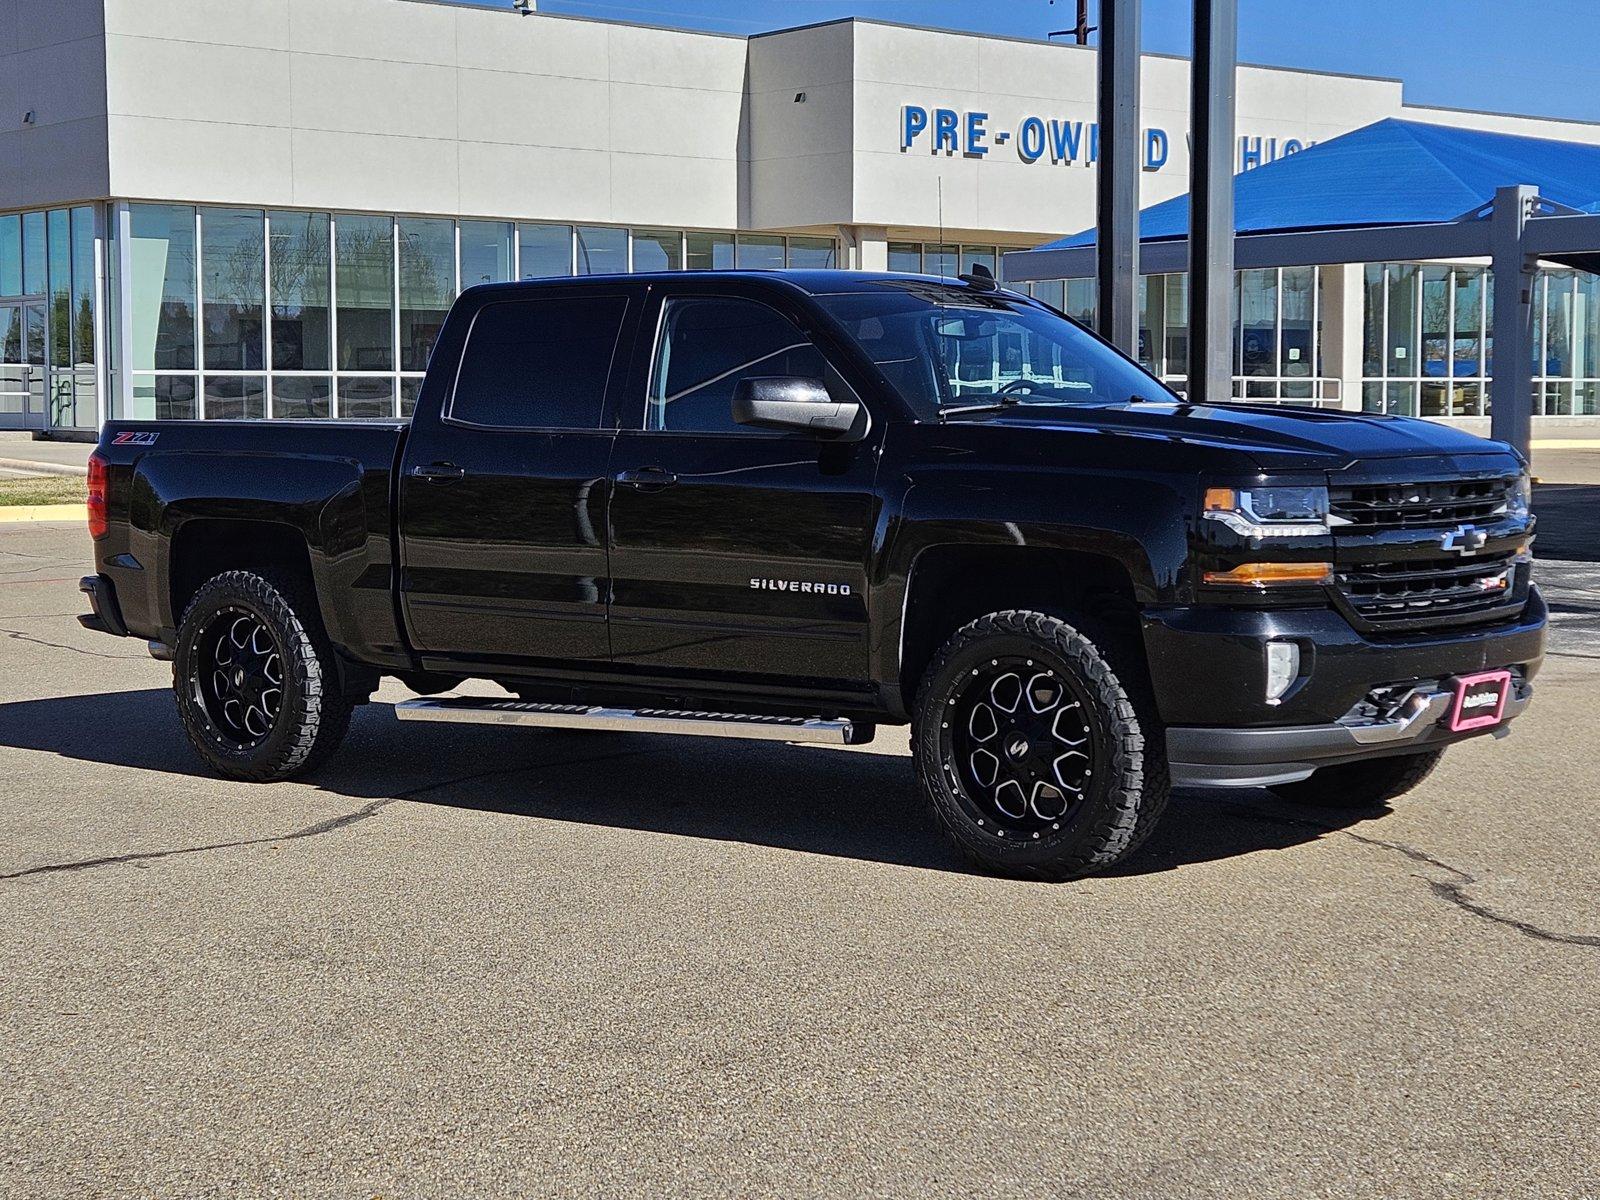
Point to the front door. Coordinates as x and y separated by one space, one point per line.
22 399
503 489
736 552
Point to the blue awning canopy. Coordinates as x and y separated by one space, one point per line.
1394 172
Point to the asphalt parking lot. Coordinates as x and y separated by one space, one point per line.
466 961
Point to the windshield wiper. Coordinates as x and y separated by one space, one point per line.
998 404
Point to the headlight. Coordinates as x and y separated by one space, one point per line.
1270 512
1519 497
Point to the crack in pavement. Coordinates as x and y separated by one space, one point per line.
17 635
329 825
1451 891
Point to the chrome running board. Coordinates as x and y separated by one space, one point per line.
635 720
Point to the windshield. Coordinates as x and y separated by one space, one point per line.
945 348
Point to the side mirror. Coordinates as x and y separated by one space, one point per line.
794 403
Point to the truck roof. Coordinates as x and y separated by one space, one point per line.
813 282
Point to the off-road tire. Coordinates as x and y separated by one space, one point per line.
1362 784
313 713
1120 805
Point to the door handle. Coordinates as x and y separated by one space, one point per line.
647 479
442 471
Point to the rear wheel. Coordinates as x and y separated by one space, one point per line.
1362 784
1032 753
256 680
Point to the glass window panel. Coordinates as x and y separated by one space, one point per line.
980 256
1258 320
905 257
546 250
707 346
410 389
1467 336
1465 399
60 222
760 252
427 286
236 397
1052 291
364 285
11 255
940 259
33 251
813 254
708 251
1080 300
1435 398
1372 397
366 399
1558 309
299 397
300 293
1151 297
1586 324
1297 352
1488 335
602 251
539 363
1402 399
83 290
1404 297
162 287
1372 323
1586 401
232 288
1436 332
1177 324
163 398
485 252
1557 401
657 250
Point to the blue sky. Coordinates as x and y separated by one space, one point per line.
1505 55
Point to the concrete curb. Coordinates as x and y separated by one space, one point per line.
43 512
42 468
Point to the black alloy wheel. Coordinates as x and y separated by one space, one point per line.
238 675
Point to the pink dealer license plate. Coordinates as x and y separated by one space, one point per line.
1480 700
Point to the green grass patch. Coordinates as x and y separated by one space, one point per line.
46 489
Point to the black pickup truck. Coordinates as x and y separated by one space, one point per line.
801 505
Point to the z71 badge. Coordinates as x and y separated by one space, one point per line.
143 438
800 585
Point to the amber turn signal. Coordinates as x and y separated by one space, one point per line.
1270 574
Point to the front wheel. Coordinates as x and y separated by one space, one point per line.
256 680
1362 784
1036 758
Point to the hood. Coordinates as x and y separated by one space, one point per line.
1276 436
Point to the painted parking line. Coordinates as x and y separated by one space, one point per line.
43 512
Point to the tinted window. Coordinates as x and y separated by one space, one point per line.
539 364
707 347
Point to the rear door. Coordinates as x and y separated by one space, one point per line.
503 491
736 552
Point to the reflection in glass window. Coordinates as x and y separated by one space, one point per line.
164 398
708 251
1177 324
602 251
366 399
410 389
364 285
657 250
539 363
545 250
301 296
759 252
485 252
235 397
1297 355
232 287
299 397
11 255
707 347
163 287
1256 331
941 259
33 250
1404 281
905 257
427 286
812 254
979 256
83 295
1558 320
60 225
1467 341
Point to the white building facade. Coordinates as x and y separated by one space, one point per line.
216 209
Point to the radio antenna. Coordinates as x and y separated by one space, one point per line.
939 181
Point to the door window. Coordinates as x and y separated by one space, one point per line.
707 346
539 364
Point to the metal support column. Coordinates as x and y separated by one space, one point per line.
1117 182
1511 414
1212 103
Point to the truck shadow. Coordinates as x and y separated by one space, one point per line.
855 804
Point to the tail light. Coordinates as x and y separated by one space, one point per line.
99 488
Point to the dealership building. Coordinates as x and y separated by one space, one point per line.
218 209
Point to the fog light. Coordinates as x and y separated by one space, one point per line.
1283 668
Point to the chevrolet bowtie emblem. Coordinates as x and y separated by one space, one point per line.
1464 540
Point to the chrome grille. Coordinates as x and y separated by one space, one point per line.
1370 508
1431 588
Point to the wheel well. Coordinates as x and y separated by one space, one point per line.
951 585
205 548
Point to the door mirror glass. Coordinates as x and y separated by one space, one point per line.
792 403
